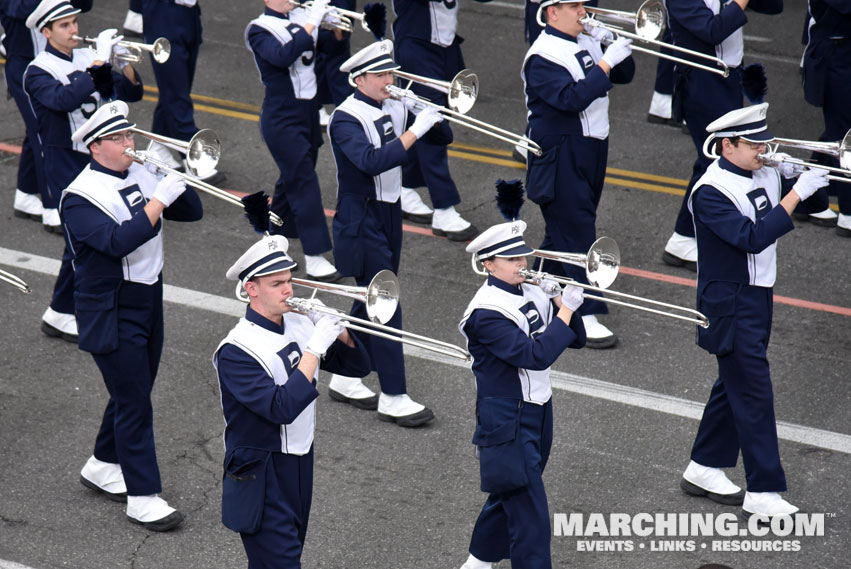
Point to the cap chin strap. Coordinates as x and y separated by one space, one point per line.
240 292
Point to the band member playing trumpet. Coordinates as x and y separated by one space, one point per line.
738 217
567 77
113 215
283 43
268 367
370 144
65 86
515 331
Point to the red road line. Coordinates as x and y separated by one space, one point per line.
800 303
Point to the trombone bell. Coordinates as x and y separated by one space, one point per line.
601 263
202 151
381 296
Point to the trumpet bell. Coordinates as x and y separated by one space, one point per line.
161 50
382 297
203 152
463 91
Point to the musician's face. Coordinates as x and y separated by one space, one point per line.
744 154
507 269
372 84
109 151
268 294
61 33
565 17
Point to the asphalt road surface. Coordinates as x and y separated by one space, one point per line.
390 497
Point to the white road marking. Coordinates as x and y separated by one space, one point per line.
590 387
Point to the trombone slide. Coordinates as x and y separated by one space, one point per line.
15 281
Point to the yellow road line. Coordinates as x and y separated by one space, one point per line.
487 159
643 186
643 176
493 151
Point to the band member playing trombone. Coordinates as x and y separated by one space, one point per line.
268 367
567 76
370 144
283 43
713 28
113 214
738 217
515 331
65 86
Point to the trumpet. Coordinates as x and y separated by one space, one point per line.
459 118
461 92
15 281
601 264
343 20
160 50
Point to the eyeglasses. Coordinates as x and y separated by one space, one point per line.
120 137
754 145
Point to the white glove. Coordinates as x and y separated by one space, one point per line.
105 41
619 50
326 331
187 3
412 105
571 297
317 12
117 51
314 315
550 288
426 119
332 18
169 189
599 33
810 181
786 169
150 166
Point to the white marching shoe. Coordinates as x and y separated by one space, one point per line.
843 225
105 478
320 269
446 222
824 218
712 483
50 221
403 410
414 208
474 562
133 24
681 251
153 513
59 325
28 206
768 504
598 337
351 390
520 153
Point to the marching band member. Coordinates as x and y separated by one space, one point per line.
370 144
283 44
426 44
113 215
65 85
713 28
22 45
827 60
514 331
567 77
268 367
738 217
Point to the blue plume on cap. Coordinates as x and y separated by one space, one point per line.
509 198
257 211
754 83
375 16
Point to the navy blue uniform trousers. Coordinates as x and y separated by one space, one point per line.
571 217
379 242
740 411
516 525
31 178
332 85
286 511
180 25
428 164
126 433
290 128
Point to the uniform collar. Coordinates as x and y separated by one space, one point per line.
725 164
561 35
274 14
502 285
366 99
53 51
255 318
98 167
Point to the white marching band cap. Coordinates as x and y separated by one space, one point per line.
108 119
48 11
748 123
503 240
546 3
267 256
374 58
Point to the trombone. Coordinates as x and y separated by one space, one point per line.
601 264
649 24
202 154
381 296
459 118
15 281
160 50
461 92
